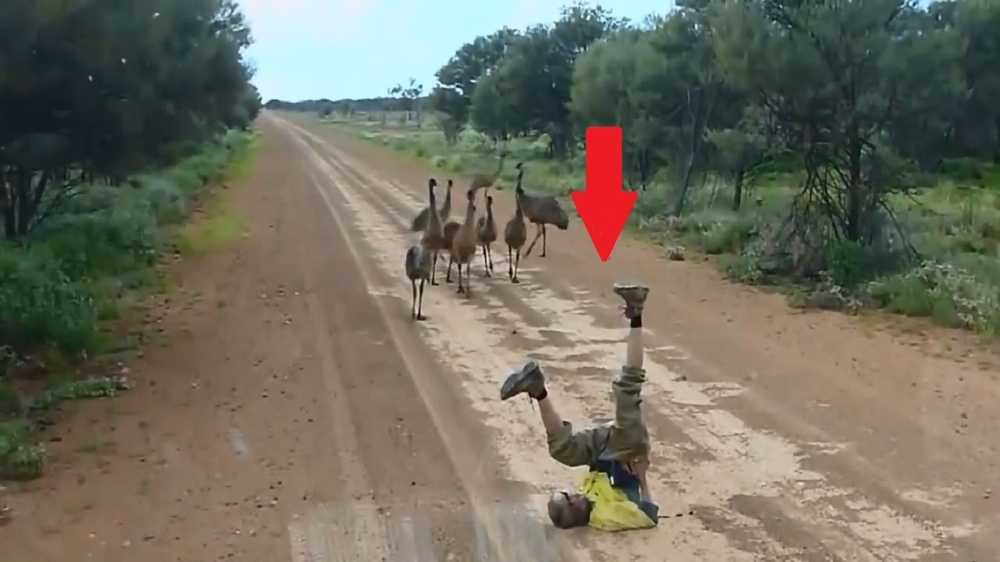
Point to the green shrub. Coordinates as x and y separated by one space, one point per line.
100 244
949 294
40 305
58 283
19 460
847 263
718 233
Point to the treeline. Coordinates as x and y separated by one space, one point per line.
859 103
409 100
100 90
862 96
325 106
113 115
721 82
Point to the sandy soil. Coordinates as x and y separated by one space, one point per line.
290 410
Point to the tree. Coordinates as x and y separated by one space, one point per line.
845 62
620 82
693 88
103 89
452 111
493 113
458 78
741 151
537 70
409 96
977 23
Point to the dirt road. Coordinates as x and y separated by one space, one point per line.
290 410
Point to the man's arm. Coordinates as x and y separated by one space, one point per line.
646 503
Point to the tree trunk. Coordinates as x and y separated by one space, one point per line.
7 208
738 189
699 117
853 228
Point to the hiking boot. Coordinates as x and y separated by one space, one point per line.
634 296
527 379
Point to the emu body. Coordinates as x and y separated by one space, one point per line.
485 182
515 234
433 236
540 210
486 235
463 247
449 231
418 265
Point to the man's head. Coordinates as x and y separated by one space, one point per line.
568 509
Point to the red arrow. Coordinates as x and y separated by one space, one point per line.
603 205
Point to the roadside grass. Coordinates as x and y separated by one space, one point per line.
216 227
65 288
953 222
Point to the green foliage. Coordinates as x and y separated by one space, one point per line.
22 460
114 116
93 387
949 294
145 81
56 283
40 305
19 460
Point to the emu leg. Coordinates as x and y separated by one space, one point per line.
486 264
510 262
489 253
413 302
468 281
538 234
460 288
517 263
420 302
434 266
544 239
447 278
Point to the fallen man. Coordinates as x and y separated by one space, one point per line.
614 495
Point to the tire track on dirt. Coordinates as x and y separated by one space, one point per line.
842 519
512 533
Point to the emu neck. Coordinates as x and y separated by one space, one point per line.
446 208
433 217
470 214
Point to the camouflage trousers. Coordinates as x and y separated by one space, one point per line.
624 438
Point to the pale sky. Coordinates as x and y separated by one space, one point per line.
307 49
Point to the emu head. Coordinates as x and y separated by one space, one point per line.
471 196
489 200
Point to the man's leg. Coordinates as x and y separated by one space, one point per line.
630 437
572 448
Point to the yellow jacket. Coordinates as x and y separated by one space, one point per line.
612 510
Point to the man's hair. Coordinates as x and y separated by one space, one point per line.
561 512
